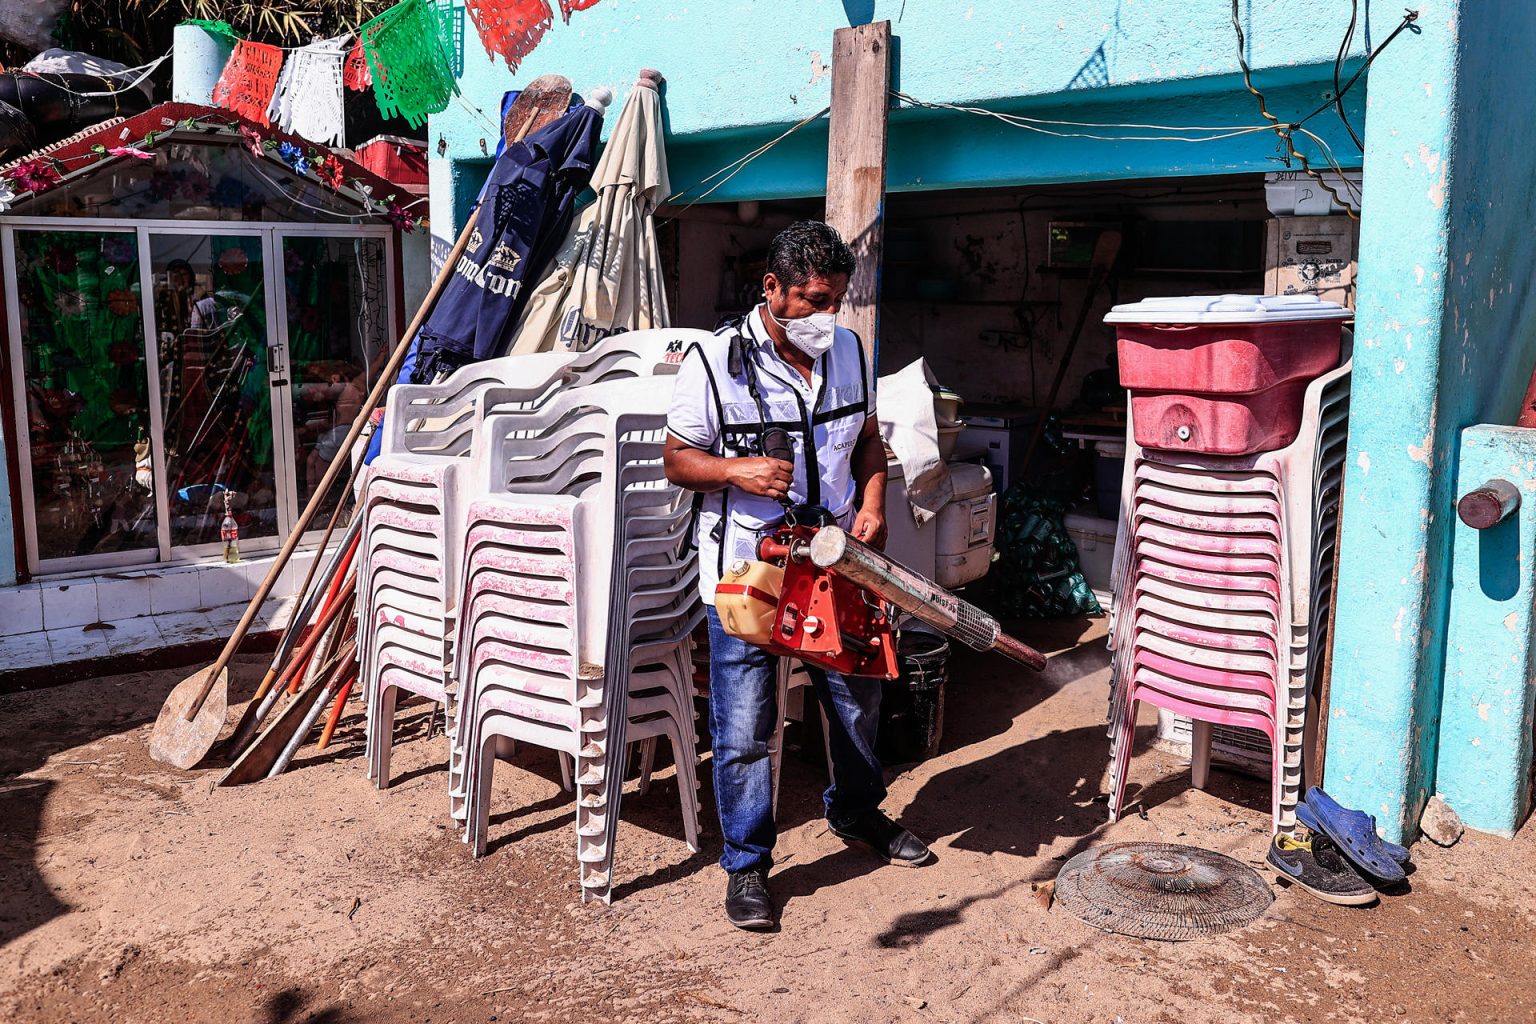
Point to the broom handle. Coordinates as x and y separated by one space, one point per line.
343 457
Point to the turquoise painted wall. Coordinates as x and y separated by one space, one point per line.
1445 340
739 73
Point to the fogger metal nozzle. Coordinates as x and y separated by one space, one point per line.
832 549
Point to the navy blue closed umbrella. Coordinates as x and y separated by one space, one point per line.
526 208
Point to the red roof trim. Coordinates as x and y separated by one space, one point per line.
163 118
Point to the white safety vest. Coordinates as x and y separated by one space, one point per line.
714 411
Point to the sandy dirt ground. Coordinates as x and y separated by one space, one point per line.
131 892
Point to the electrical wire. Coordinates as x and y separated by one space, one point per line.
478 113
1407 24
735 167
1035 124
1338 70
1285 131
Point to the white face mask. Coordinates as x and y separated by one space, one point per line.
811 334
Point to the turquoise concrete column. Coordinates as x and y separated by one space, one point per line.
1445 338
1486 709
1392 553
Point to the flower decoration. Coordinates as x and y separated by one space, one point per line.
230 191
330 170
133 151
36 175
401 218
294 157
253 140
193 184
69 303
233 261
122 302
64 261
119 250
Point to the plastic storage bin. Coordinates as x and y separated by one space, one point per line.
1224 374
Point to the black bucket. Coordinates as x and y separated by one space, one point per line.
912 704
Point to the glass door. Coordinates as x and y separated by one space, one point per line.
164 369
85 396
336 327
212 333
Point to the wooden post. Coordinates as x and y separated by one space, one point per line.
861 85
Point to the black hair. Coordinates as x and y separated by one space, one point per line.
806 248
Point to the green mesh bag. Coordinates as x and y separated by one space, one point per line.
410 60
1038 573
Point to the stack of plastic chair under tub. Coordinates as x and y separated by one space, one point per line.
1223 565
497 463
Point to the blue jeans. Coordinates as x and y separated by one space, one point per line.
743 711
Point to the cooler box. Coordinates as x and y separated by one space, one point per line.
965 528
1223 374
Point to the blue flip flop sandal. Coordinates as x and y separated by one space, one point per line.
1305 815
1354 833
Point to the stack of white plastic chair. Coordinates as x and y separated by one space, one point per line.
577 606
1222 577
412 495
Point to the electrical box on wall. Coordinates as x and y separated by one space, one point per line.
1312 256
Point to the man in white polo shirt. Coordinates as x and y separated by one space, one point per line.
784 367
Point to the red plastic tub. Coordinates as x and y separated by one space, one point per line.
1224 374
1213 424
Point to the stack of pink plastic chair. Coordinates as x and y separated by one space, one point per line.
577 608
1222 571
413 495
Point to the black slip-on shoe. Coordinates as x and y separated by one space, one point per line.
888 839
747 902
1315 863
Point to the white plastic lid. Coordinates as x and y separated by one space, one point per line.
1227 309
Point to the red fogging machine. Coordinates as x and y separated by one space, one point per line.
819 595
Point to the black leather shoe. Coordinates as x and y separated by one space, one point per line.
747 903
888 839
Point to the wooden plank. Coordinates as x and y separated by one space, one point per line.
861 84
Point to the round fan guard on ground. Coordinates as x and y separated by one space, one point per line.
1161 891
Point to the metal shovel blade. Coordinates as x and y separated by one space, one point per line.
181 743
260 756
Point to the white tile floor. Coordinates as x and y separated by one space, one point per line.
41 624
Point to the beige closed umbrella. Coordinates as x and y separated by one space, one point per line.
606 277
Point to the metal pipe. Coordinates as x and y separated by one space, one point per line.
1489 505
832 549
